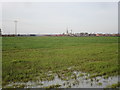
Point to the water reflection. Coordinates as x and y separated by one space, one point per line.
82 80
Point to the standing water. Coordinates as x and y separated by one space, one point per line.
80 82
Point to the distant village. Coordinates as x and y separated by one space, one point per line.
68 33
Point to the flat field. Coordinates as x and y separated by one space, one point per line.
32 58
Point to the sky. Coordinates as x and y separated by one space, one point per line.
56 17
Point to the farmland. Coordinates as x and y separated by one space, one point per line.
41 58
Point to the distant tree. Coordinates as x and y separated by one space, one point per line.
0 32
86 33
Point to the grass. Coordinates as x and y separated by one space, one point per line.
81 75
116 85
53 86
99 84
31 58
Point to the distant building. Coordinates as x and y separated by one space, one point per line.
81 34
99 35
32 35
92 34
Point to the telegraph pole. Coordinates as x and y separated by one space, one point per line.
16 27
67 30
71 31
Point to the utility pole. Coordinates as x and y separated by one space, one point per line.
67 30
16 27
71 31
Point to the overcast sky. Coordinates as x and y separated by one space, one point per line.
51 17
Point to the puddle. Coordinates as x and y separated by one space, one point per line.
82 81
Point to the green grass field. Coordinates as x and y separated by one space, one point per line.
31 58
